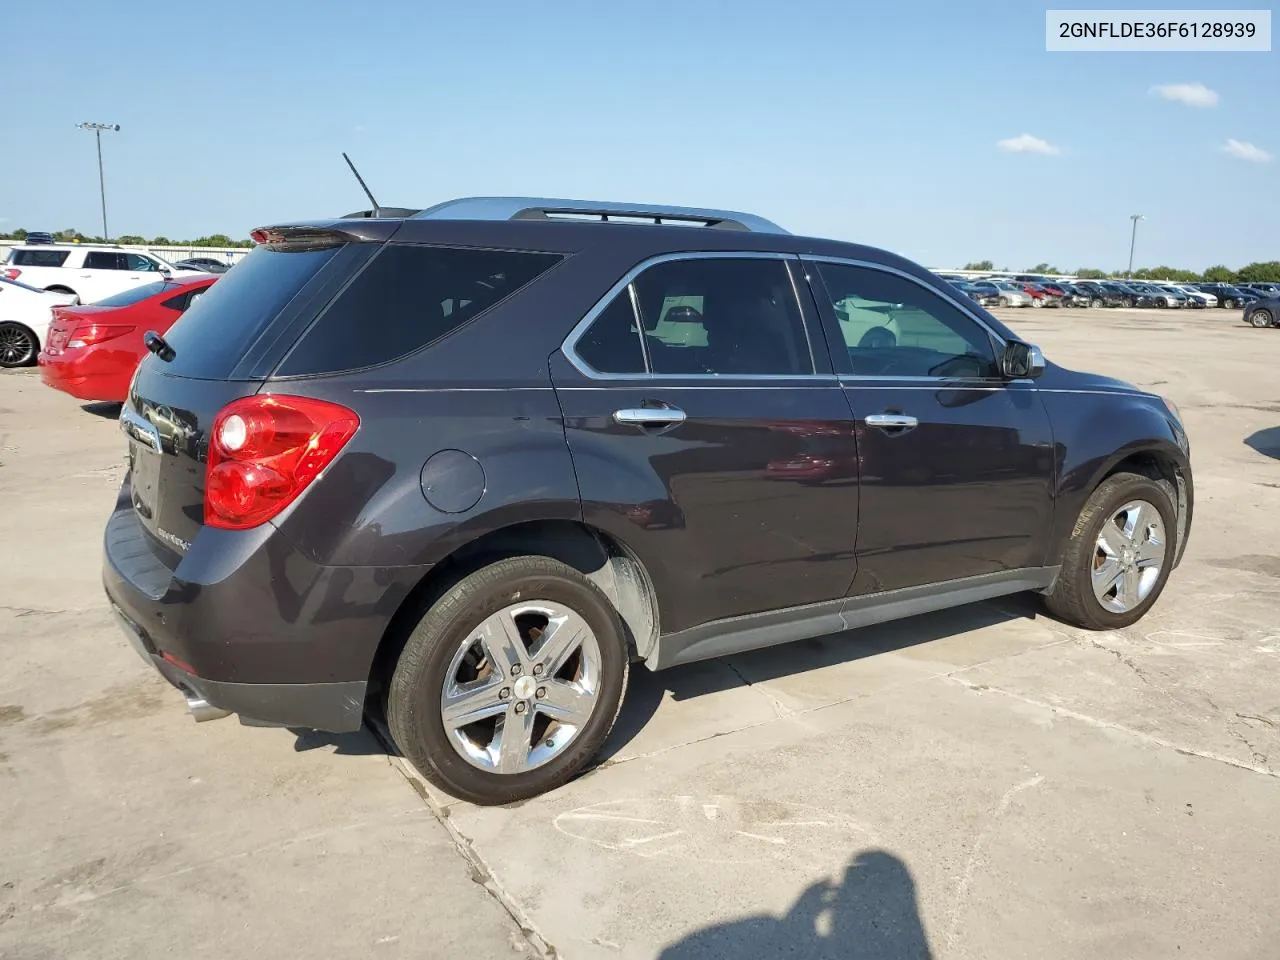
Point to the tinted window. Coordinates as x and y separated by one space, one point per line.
722 316
612 343
219 327
132 295
102 260
407 297
893 327
38 258
184 299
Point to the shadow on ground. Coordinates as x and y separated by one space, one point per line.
1266 442
646 689
102 408
871 914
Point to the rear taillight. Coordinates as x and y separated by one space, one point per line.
87 334
12 274
264 450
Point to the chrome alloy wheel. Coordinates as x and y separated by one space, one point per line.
1128 557
521 686
17 346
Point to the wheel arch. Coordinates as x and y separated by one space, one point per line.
61 288
1159 460
600 557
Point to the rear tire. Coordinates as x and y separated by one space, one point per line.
18 346
461 659
1260 318
1003 301
1095 552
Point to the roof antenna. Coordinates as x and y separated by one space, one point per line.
376 209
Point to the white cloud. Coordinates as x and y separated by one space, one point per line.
1243 150
1191 94
1026 143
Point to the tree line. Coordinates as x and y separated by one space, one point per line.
1262 272
75 236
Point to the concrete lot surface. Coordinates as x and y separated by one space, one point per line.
979 783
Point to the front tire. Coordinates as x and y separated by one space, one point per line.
1119 555
510 682
18 346
1260 318
1228 304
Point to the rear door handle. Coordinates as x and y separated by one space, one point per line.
650 416
892 421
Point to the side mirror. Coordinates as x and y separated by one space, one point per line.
166 271
1021 361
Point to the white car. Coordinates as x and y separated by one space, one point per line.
1208 299
89 271
25 313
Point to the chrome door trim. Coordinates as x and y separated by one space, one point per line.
580 328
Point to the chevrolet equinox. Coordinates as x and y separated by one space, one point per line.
463 466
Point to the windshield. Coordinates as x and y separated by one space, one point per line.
131 296
21 285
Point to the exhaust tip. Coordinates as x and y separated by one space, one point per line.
201 709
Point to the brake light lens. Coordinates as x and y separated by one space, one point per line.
264 451
87 334
12 274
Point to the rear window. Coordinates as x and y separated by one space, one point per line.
407 297
220 326
132 295
38 258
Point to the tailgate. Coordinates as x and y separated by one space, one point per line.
167 421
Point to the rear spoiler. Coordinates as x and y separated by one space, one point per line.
389 213
325 233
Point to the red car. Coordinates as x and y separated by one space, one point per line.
92 349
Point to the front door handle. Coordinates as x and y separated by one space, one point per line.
892 422
650 416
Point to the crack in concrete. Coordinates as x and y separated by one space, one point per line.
781 709
481 873
1259 757
1250 716
1109 725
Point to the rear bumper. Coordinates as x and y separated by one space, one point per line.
71 374
248 624
335 707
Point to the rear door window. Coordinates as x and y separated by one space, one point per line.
730 316
105 260
612 343
38 258
407 297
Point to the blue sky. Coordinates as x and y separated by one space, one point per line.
877 123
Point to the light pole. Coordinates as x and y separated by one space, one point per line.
97 129
1135 217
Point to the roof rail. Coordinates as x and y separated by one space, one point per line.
545 208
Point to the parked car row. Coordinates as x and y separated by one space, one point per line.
1029 290
81 310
